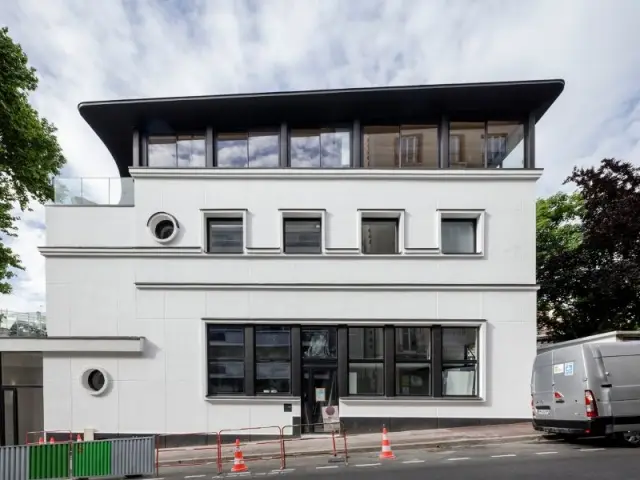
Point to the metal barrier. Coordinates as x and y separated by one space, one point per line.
210 443
14 463
102 458
46 435
331 441
238 433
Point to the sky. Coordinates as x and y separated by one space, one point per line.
88 50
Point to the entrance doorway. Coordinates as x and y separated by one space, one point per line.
319 379
319 399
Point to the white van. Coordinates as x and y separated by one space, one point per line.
590 389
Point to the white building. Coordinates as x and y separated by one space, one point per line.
393 279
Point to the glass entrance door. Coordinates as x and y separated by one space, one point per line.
319 399
9 417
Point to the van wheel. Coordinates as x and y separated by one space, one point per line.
630 439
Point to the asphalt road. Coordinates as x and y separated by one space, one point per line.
548 461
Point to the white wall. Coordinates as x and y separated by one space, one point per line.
163 391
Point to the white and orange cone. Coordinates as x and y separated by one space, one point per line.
238 460
79 438
386 453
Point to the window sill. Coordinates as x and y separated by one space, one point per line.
263 398
419 400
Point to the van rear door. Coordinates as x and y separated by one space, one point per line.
622 369
542 387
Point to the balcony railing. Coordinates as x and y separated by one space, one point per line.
22 324
93 191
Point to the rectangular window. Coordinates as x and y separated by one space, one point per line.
459 236
176 151
225 356
366 361
412 146
258 149
273 359
226 235
320 148
319 343
413 361
460 361
380 236
302 235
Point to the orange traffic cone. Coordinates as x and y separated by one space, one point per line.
79 438
52 440
238 460
386 453
40 441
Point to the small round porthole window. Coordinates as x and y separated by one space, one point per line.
163 227
95 380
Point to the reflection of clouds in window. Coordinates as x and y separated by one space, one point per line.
241 150
181 151
320 148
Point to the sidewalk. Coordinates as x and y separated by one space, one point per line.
321 445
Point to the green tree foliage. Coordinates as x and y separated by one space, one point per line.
589 253
29 151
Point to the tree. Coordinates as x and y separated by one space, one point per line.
29 151
589 253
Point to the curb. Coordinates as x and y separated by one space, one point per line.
427 445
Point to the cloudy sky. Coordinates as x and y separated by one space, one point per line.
95 50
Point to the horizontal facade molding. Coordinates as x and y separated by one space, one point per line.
340 287
90 345
274 253
365 322
257 400
409 401
337 174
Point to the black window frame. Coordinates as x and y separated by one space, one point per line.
466 362
176 139
213 358
289 359
372 219
299 220
221 220
367 361
474 224
399 360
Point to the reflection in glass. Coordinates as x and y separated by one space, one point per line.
505 145
419 146
380 236
30 411
379 147
366 379
255 149
460 361
413 379
320 148
21 368
413 343
319 343
10 433
273 377
459 343
466 145
458 236
459 379
225 359
366 343
273 343
226 235
170 151
302 235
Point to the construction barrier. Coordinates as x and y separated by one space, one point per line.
334 443
102 458
229 442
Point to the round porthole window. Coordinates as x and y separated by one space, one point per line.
163 227
95 380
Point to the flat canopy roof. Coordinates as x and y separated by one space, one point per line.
114 121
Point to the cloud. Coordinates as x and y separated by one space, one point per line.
105 50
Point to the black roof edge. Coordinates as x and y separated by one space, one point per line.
558 81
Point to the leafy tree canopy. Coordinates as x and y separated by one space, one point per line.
29 151
589 253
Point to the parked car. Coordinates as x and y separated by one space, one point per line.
590 389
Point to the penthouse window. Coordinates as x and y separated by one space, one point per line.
486 145
320 148
407 146
176 151
255 149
